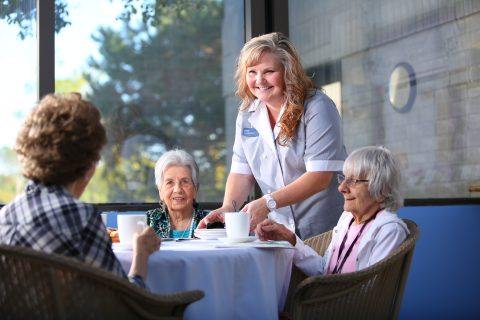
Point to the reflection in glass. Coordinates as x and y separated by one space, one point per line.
359 43
401 88
18 83
155 71
334 91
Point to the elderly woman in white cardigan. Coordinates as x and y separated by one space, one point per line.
368 230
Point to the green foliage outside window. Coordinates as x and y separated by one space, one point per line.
160 89
158 84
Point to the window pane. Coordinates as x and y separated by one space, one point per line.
158 76
407 74
18 80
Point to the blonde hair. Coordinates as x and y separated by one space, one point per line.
60 139
298 86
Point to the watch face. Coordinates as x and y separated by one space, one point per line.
271 204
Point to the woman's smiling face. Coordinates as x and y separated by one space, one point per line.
265 80
178 190
358 200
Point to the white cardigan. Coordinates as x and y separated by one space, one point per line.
385 234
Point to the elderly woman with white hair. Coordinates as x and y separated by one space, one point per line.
176 177
368 230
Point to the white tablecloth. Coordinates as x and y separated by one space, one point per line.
239 283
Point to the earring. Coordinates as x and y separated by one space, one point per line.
163 206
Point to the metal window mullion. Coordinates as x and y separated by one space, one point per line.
265 16
278 16
255 18
46 46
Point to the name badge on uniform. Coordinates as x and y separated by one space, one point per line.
249 132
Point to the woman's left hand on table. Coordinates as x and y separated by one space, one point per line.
258 211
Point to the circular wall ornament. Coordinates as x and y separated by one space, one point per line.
402 88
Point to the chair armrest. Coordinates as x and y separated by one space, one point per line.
317 294
153 306
147 304
328 287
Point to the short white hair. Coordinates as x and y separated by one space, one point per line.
381 169
173 158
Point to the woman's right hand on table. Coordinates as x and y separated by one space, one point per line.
271 230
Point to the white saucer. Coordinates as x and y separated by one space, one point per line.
238 240
210 230
210 235
217 232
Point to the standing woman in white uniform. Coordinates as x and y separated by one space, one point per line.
288 138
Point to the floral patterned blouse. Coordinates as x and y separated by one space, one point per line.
159 220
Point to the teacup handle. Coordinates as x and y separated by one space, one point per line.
141 225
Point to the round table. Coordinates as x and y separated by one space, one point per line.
238 282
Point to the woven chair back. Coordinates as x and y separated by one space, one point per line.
35 285
373 293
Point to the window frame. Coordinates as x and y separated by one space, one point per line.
261 16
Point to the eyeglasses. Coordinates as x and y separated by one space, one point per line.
183 183
350 182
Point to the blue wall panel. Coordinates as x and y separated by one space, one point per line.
444 279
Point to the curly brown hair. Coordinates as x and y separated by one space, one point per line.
60 139
298 85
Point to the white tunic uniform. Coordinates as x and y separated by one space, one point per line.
317 146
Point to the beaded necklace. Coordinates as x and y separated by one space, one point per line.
187 233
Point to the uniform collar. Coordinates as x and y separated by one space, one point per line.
259 120
254 105
277 128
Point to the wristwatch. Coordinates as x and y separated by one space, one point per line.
271 203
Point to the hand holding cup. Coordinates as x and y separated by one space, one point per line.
258 211
146 242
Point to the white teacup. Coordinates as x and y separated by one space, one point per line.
237 224
128 224
104 218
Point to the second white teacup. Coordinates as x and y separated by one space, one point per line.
237 224
128 224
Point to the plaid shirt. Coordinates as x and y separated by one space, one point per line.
50 219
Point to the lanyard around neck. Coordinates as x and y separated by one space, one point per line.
339 265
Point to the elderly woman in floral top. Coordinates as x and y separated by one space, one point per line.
176 177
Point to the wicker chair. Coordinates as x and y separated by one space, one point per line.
372 293
35 285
